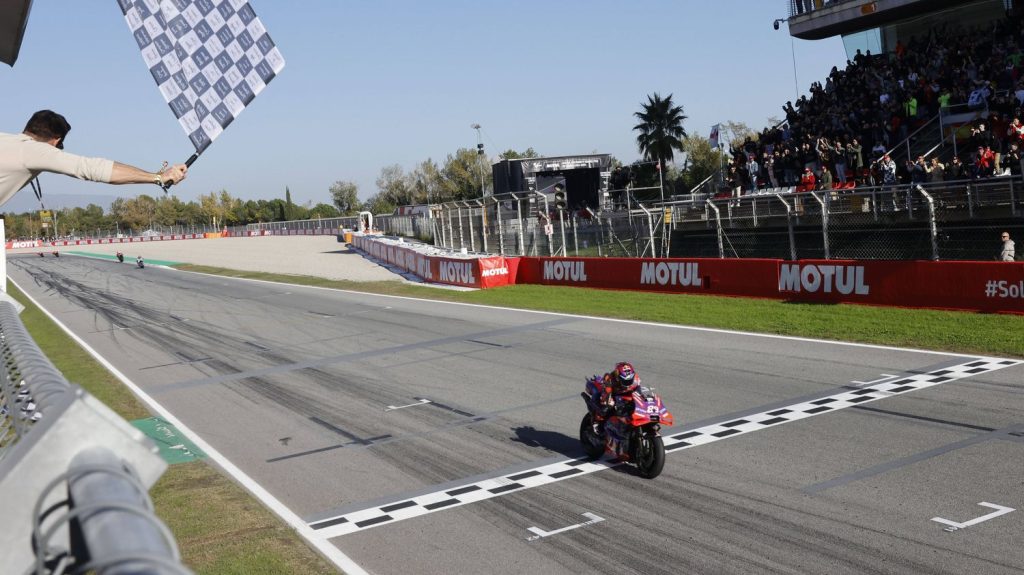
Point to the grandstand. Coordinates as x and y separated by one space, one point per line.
916 137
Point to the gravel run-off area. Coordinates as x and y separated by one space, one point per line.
321 256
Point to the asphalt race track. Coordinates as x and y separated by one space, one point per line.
423 437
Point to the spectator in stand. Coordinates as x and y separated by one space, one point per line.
838 152
918 171
888 168
1008 254
955 169
771 170
1015 131
1013 159
826 179
936 171
752 170
735 182
823 148
983 162
855 157
807 181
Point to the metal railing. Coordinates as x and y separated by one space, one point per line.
522 223
954 220
73 474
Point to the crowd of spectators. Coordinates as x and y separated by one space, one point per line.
838 135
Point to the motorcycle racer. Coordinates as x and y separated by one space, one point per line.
614 387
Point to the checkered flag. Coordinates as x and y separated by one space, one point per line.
209 58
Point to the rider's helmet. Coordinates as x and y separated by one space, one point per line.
623 376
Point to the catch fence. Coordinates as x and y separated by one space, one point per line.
73 474
957 220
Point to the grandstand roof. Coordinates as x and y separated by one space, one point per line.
848 17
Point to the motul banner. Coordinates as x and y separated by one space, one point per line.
482 272
14 245
981 286
711 276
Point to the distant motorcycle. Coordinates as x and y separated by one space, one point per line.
120 257
630 430
139 262
42 255
56 254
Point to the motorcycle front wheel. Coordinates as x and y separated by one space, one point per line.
592 442
650 455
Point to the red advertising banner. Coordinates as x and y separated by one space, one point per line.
751 277
483 272
14 245
980 286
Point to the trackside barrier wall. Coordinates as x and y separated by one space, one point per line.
478 272
977 286
14 245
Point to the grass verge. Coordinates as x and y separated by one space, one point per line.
220 528
955 331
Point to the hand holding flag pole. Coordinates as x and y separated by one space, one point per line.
188 164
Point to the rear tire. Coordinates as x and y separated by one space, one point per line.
650 456
593 444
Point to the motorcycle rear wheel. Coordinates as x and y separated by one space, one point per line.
593 444
650 456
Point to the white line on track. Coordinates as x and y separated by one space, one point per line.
332 553
459 495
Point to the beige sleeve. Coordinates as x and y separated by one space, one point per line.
41 157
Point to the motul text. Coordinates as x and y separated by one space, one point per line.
824 278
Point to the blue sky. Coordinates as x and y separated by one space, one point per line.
374 83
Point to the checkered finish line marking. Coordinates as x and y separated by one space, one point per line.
209 58
486 489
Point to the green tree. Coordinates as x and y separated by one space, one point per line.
379 204
427 183
511 154
661 128
461 175
393 186
323 211
345 196
701 159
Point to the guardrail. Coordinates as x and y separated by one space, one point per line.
73 474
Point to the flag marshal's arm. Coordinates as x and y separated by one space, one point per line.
125 174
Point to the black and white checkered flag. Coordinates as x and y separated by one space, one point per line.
209 58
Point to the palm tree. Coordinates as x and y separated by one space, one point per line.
661 128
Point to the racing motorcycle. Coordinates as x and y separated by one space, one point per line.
139 262
629 429
120 257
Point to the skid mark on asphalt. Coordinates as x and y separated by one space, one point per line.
357 356
407 508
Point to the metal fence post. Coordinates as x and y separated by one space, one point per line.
575 238
519 214
718 222
931 218
824 224
462 239
789 224
469 218
483 223
501 232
